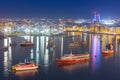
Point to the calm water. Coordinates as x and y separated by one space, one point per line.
98 68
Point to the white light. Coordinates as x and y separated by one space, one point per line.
108 22
5 30
27 30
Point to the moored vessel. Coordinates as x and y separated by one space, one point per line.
107 52
70 59
24 66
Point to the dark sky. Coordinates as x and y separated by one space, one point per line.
59 8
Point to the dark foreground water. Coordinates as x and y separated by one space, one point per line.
98 68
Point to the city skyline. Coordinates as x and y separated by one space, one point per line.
58 8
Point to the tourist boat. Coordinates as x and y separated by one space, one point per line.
107 52
69 59
24 66
26 43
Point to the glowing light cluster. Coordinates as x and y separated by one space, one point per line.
108 22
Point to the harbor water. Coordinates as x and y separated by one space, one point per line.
98 68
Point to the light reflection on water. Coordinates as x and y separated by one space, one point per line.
96 53
40 54
74 67
23 74
7 57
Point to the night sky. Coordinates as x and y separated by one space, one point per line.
59 8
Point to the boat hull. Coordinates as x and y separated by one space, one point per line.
107 52
60 61
24 68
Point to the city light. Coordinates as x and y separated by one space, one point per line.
108 22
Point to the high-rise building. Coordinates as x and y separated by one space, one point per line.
96 18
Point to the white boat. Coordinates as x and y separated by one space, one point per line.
24 66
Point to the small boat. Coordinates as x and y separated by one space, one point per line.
24 66
71 59
107 52
26 43
109 49
5 48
